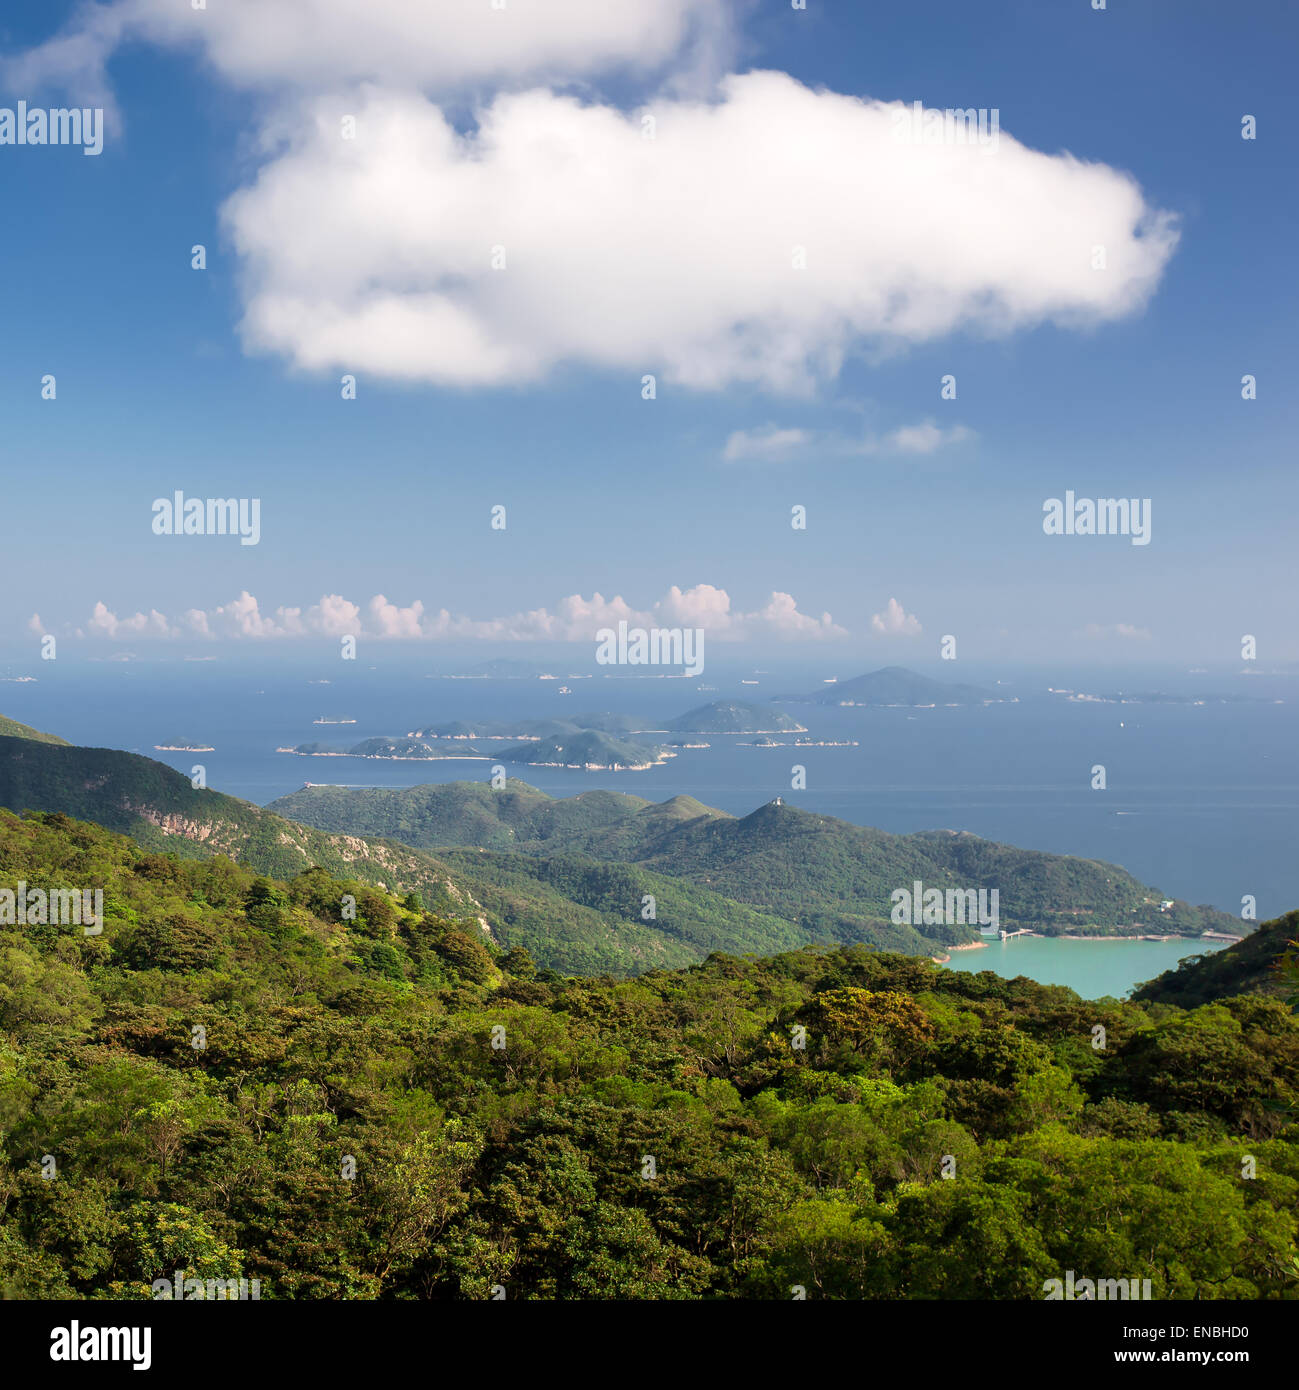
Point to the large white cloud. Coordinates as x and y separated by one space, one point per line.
761 234
674 255
574 619
429 44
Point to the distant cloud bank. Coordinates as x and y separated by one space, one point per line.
573 619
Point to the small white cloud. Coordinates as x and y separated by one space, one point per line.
925 438
105 623
35 625
335 616
1127 631
895 621
781 618
390 621
768 444
772 444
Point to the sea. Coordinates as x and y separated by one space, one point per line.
1201 800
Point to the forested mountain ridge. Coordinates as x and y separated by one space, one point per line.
1251 966
161 810
835 877
862 1125
11 728
636 886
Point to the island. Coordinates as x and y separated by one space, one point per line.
734 717
719 717
390 749
1157 697
895 685
589 750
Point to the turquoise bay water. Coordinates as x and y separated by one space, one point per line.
1090 968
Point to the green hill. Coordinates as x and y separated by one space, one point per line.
734 717
1247 967
895 685
834 878
461 814
582 917
771 880
11 728
404 749
160 810
586 748
496 728
589 903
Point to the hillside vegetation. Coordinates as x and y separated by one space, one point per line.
11 728
834 878
342 1094
590 931
636 885
1251 966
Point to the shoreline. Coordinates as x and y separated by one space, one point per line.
393 757
470 758
1190 940
963 946
1167 936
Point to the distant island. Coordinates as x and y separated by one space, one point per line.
768 742
719 717
513 730
393 749
735 717
184 745
598 742
506 670
588 749
1158 697
895 685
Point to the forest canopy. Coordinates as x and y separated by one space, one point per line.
338 1093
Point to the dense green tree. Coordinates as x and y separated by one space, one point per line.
248 1078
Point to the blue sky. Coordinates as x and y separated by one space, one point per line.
390 494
